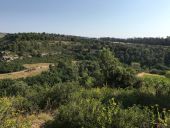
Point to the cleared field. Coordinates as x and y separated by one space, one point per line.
32 70
144 74
154 78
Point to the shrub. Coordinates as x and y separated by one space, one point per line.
167 74
85 113
9 115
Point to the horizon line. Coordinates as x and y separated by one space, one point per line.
84 36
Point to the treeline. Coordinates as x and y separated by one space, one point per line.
40 36
37 44
147 41
51 36
146 56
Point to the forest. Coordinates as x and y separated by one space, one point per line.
91 82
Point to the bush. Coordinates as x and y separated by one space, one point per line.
133 117
13 88
61 93
87 113
10 67
92 113
167 74
157 71
9 115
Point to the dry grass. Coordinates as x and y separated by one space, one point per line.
142 74
32 70
38 121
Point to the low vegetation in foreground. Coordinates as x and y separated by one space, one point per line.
83 83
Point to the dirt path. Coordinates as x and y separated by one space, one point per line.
32 70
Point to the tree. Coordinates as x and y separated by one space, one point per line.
115 74
107 63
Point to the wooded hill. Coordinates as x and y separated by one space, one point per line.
148 52
90 82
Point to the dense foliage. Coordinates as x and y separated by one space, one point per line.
148 52
10 67
91 83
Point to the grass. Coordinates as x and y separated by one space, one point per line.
37 121
34 120
31 70
154 78
144 74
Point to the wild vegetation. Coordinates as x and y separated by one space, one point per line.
90 83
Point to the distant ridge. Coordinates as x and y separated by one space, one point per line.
2 34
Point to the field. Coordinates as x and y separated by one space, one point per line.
154 78
144 74
31 70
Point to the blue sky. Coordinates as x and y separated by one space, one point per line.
93 18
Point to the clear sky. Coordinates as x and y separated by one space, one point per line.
93 18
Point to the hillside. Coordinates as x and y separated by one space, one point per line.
43 44
2 35
62 81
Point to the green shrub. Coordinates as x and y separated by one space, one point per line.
167 74
6 67
9 115
132 117
85 113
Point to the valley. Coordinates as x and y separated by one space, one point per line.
60 81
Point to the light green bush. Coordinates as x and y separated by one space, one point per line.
9 116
